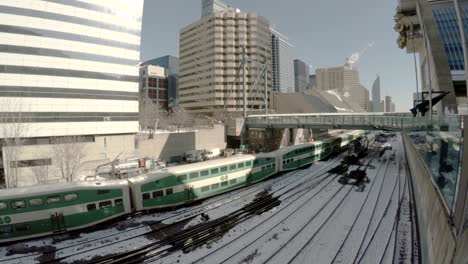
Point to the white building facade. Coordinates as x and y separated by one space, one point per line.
70 67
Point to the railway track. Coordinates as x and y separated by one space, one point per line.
188 239
157 227
307 237
49 256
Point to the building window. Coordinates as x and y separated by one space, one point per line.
30 163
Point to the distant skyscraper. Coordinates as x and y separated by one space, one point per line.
362 98
171 64
282 63
376 95
312 81
301 75
387 103
212 6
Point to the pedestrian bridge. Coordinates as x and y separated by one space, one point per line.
365 121
436 156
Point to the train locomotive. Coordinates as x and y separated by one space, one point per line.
48 209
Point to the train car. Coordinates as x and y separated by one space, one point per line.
42 210
294 157
187 183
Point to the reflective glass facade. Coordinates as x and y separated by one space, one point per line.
68 62
446 20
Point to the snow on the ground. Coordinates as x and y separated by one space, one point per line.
313 221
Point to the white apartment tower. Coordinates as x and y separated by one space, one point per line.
69 68
210 59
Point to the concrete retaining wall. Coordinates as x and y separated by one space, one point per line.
438 241
167 145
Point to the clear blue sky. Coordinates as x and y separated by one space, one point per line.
324 33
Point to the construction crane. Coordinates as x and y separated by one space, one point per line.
354 58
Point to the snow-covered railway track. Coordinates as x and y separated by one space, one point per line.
53 255
283 185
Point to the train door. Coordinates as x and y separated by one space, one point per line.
189 193
57 221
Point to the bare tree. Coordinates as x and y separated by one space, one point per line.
14 129
150 114
67 154
41 173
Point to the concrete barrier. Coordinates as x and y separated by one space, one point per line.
438 242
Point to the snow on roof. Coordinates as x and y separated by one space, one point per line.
60 187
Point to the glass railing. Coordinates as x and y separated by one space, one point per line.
441 148
438 139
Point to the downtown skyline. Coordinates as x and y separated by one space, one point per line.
313 43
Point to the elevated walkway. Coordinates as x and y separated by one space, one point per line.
365 121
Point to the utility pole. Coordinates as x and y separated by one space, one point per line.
244 82
266 88
461 28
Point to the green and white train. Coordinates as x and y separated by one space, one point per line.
48 209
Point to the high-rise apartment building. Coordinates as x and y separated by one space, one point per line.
282 63
312 81
210 60
171 66
301 75
377 106
212 6
430 28
69 68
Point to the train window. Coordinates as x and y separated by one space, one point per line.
169 191
36 202
158 194
255 162
233 181
70 197
205 188
91 207
215 186
248 163
204 173
224 169
214 171
3 206
53 199
105 204
101 192
193 175
21 227
284 162
18 204
240 165
5 229
232 167
146 196
224 183
118 201
182 177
